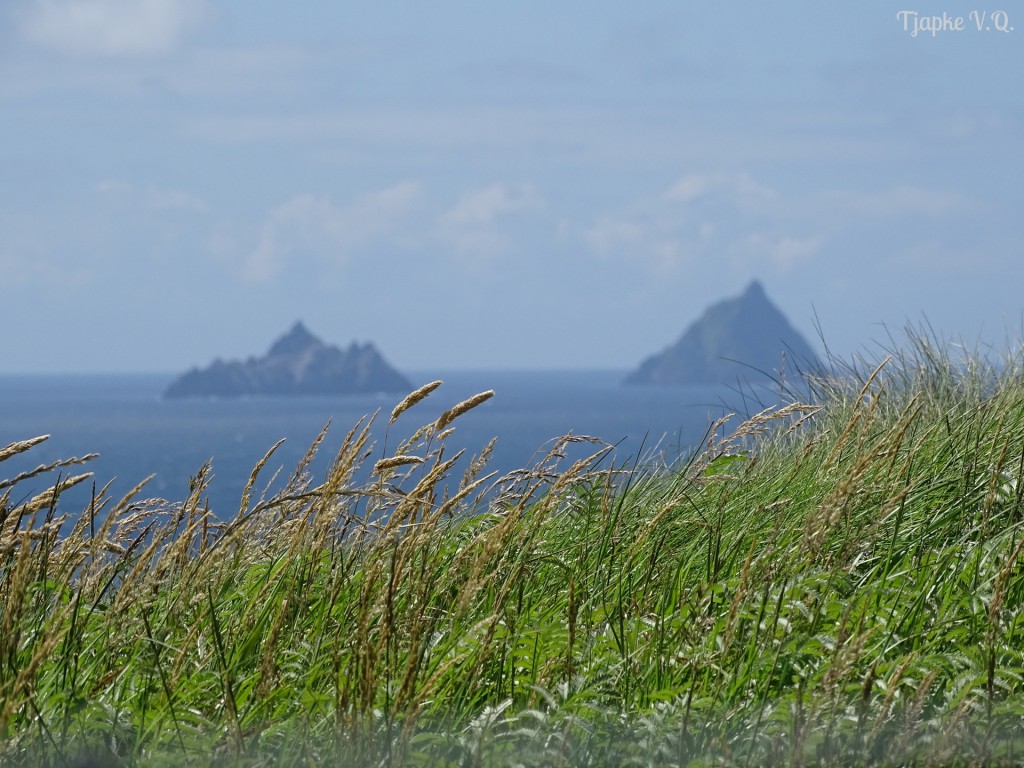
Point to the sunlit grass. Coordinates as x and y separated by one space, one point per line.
833 583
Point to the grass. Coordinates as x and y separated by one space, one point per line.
835 583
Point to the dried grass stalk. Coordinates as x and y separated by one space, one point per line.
21 446
412 398
453 413
395 461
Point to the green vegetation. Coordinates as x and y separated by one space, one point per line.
832 584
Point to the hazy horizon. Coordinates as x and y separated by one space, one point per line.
478 187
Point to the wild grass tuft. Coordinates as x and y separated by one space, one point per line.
833 582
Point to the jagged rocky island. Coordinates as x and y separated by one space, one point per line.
745 338
298 363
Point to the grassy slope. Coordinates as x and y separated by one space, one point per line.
831 585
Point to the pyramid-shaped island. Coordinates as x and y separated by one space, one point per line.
740 339
298 363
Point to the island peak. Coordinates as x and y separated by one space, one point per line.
742 338
296 340
297 363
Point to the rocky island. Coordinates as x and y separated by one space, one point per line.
745 338
298 363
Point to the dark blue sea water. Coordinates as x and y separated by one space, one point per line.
137 433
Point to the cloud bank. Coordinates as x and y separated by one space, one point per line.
109 27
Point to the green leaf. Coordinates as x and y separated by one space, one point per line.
724 463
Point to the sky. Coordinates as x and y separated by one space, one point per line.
516 185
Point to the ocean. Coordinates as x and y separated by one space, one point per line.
137 433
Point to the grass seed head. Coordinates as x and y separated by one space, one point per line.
453 413
395 461
412 398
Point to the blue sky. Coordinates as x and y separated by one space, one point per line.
484 185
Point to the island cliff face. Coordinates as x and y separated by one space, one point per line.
298 363
741 339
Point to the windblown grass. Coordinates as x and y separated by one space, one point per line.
833 583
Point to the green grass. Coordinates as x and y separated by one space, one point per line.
830 584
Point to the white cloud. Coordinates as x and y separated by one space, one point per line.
115 187
739 188
109 27
669 256
649 235
787 251
310 226
483 205
471 225
688 188
153 197
670 224
698 217
784 251
613 233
